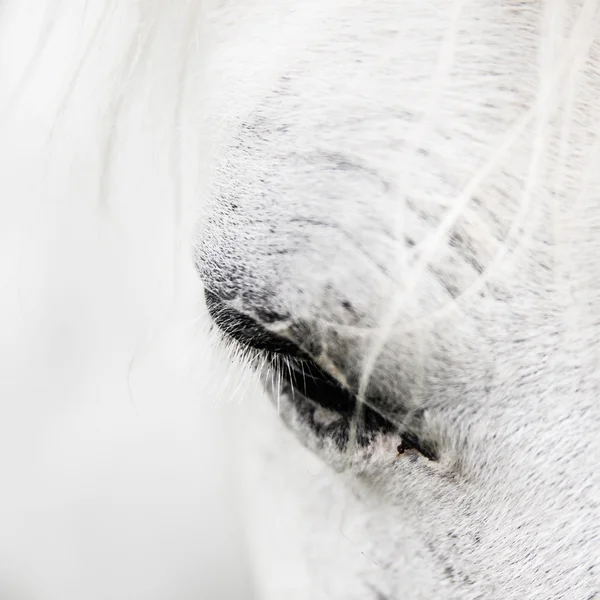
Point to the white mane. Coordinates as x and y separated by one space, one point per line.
460 144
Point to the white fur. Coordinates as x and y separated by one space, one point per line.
339 129
472 129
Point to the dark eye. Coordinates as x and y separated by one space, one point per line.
295 367
306 385
308 379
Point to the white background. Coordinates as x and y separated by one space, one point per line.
116 476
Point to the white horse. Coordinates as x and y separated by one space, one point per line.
398 239
401 235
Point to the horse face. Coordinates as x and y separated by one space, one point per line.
399 233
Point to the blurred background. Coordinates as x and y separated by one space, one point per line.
117 458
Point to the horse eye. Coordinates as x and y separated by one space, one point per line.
305 384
